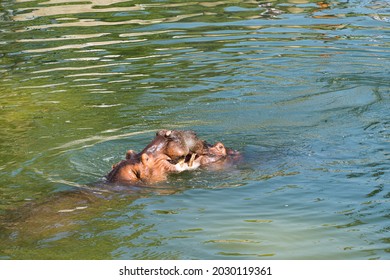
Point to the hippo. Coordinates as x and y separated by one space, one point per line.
171 151
182 143
176 144
165 154
148 168
217 157
213 154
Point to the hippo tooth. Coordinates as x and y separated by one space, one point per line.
191 162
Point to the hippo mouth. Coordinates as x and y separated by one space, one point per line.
187 159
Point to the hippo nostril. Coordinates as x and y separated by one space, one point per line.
168 133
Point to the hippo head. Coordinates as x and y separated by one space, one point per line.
157 145
182 143
176 144
218 150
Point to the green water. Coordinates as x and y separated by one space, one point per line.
300 87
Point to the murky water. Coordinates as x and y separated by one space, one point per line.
301 87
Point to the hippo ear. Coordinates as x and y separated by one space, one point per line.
145 158
164 133
130 154
161 132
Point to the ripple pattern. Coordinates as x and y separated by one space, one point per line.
300 87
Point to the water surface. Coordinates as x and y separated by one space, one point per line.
300 87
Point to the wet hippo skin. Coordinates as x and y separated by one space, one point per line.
147 168
157 159
171 151
218 157
212 154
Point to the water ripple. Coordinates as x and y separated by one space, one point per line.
300 87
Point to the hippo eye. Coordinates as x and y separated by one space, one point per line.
173 136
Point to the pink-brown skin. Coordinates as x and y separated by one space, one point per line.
181 143
147 169
154 163
171 151
218 157
214 153
174 143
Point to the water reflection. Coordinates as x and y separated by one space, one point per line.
122 9
66 7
